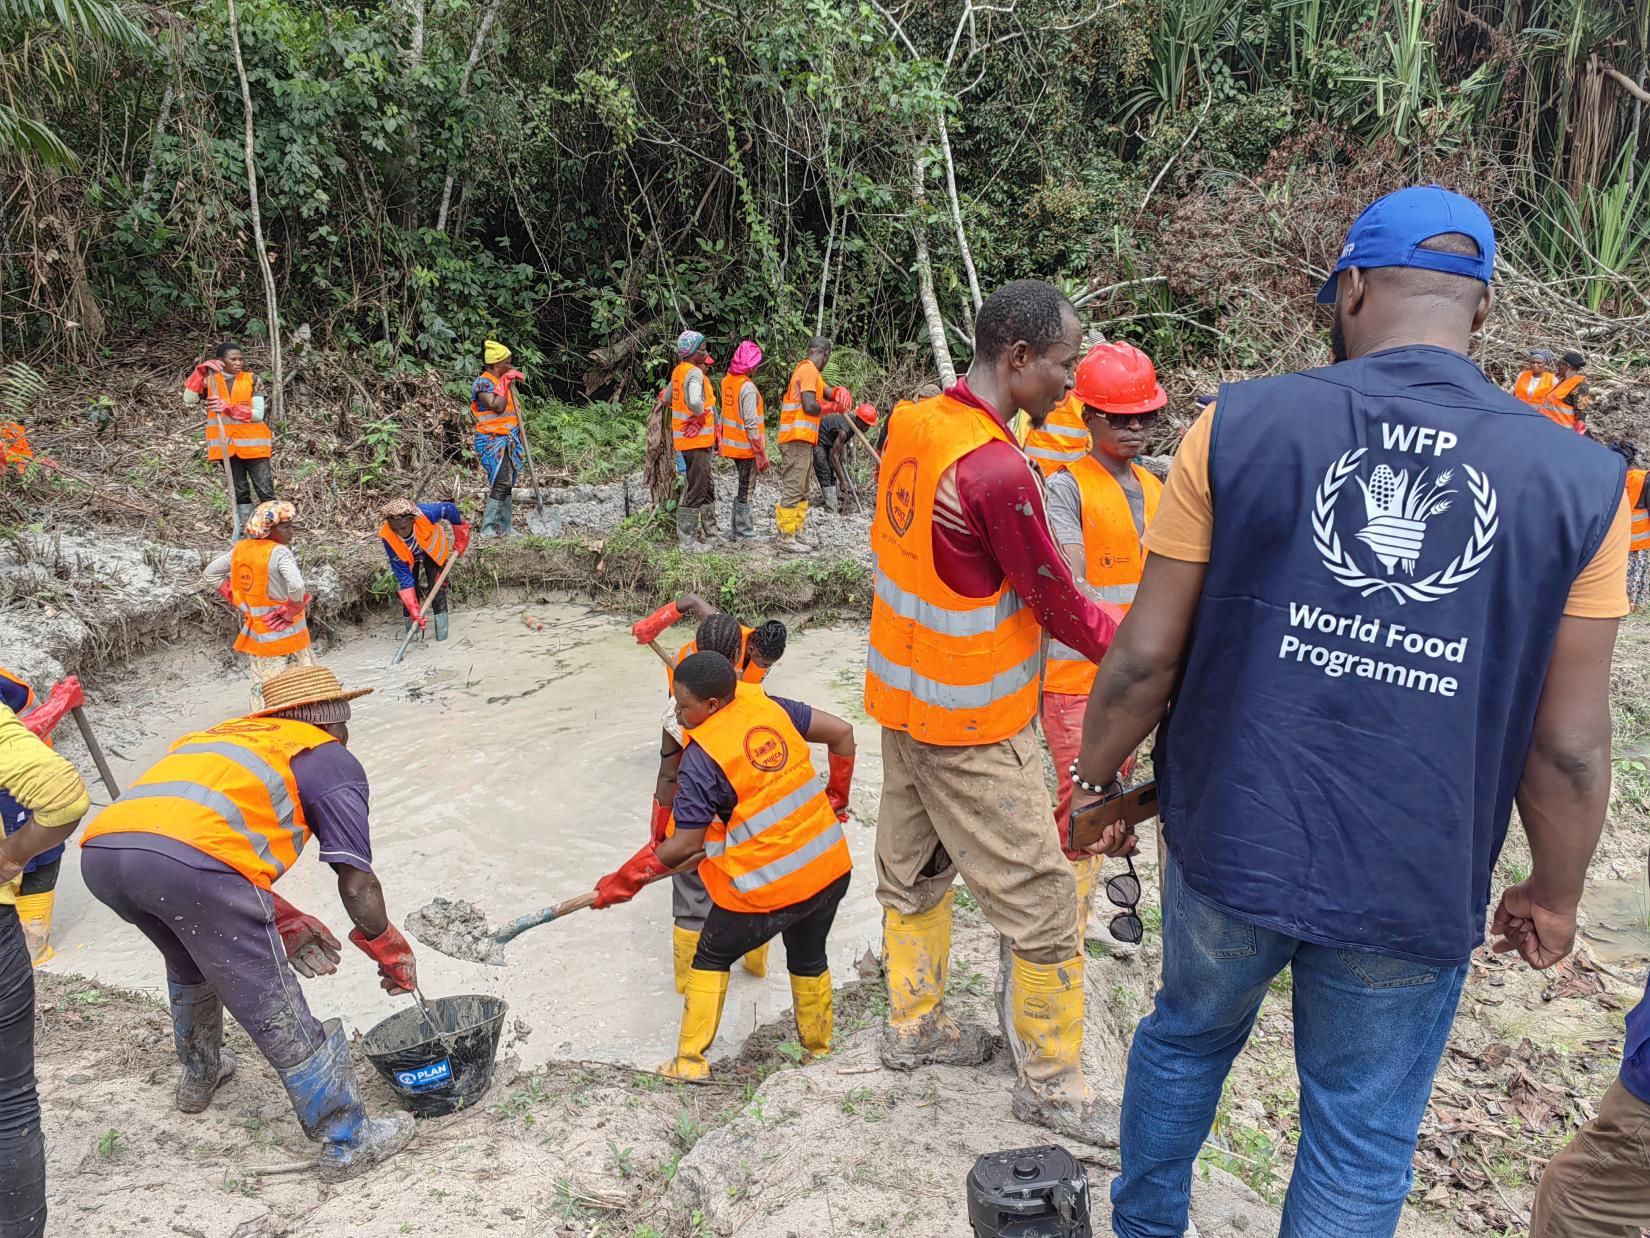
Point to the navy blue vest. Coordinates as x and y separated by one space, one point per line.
1394 541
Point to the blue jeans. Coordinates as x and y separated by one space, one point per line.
1369 1031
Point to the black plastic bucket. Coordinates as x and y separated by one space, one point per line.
430 1075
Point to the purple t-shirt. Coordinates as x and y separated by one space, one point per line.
703 792
332 788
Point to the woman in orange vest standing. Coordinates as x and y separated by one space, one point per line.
259 577
742 433
1570 396
776 862
1099 506
499 443
1537 380
189 856
693 433
798 432
415 541
235 423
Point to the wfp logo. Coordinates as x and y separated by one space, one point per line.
1400 524
423 1078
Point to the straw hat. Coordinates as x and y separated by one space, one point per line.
303 685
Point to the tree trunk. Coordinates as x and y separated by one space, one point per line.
956 210
825 278
925 278
272 310
477 46
162 119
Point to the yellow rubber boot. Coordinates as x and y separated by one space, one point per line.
35 911
1051 1091
684 944
701 1016
916 954
811 1002
1087 872
784 520
756 961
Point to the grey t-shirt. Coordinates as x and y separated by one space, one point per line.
1065 508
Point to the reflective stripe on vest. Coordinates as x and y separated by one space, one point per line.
1635 499
736 440
1533 388
1112 559
228 792
1061 439
1557 405
489 422
948 669
796 425
249 590
248 440
432 538
681 414
781 844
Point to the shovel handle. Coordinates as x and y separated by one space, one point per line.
533 919
96 750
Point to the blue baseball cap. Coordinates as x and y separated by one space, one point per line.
1392 229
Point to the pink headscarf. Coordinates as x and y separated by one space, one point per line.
745 358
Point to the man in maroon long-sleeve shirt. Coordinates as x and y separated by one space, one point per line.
968 580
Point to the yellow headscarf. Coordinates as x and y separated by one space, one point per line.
492 352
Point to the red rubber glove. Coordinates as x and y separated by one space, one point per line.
761 450
660 823
393 956
636 872
461 538
238 412
226 591
504 380
45 716
310 946
409 599
648 629
214 405
287 613
842 779
841 400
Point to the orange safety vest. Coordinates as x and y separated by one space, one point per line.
432 538
14 446
1062 439
249 590
228 792
1532 388
946 668
736 440
681 414
1557 406
751 674
28 688
489 422
1635 501
795 425
248 440
1112 559
781 844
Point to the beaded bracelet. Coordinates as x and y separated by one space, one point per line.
1079 782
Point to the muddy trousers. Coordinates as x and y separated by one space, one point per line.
211 926
263 669
730 935
22 1147
425 574
747 475
252 476
1599 1186
796 467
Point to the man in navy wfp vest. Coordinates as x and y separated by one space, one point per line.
1382 598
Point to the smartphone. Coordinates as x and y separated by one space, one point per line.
1134 806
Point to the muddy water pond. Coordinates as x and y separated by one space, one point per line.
510 766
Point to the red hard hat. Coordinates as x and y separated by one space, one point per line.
867 413
1119 378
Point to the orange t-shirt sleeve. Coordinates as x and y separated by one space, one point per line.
1600 592
1184 525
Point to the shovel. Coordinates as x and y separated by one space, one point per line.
544 915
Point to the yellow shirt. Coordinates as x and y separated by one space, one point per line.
39 780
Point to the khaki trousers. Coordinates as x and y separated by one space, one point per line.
1599 1186
981 811
796 467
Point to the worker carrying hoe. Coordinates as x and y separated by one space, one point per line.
189 855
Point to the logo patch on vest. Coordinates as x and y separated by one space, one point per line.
1400 518
766 749
901 504
245 726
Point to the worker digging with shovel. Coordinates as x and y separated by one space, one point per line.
189 855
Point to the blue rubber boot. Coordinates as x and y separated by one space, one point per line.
440 625
327 1100
490 518
507 513
197 1031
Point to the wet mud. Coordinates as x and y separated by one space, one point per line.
458 929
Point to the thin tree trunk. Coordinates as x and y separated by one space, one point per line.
477 46
272 310
925 279
162 119
416 11
825 278
956 211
